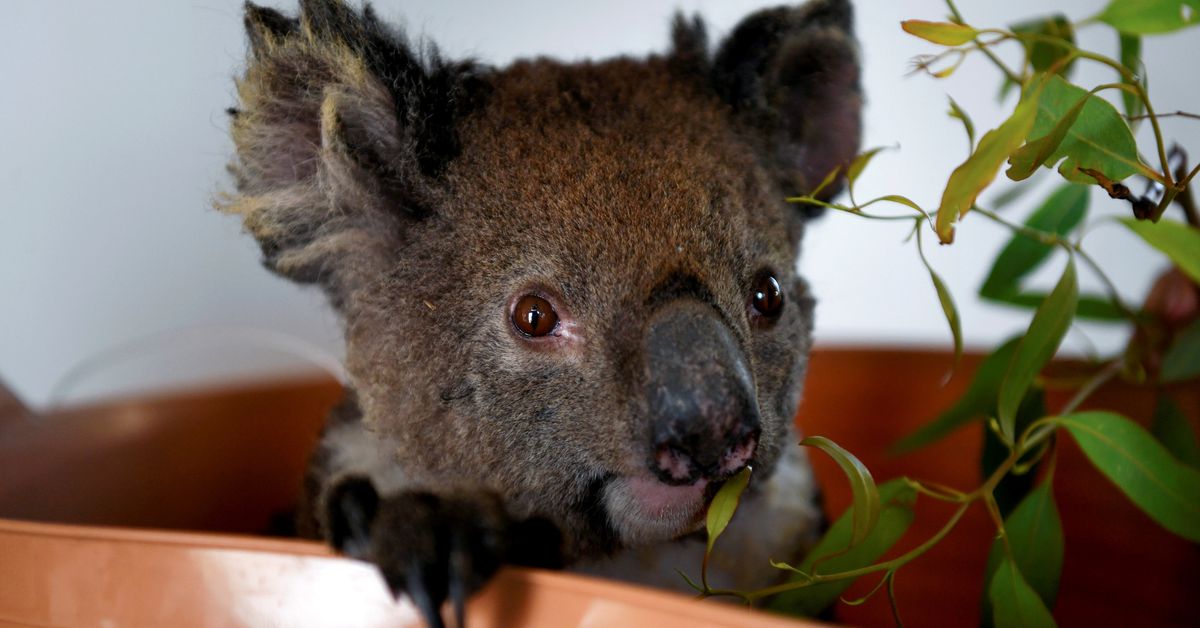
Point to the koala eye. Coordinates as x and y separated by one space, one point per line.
534 316
767 297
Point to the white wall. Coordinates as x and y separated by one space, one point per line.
113 140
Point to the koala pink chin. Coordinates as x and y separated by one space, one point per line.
644 510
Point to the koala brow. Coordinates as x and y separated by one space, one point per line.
680 285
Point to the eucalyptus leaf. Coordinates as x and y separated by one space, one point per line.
1015 604
943 33
862 486
968 126
1010 195
1182 360
979 170
1035 535
950 311
1171 428
1013 487
1180 242
1146 17
902 200
1163 487
978 401
1091 307
724 504
1025 161
1098 139
1131 58
1059 214
859 163
1035 349
1042 54
897 497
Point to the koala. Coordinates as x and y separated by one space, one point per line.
568 290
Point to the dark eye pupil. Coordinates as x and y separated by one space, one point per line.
768 297
534 316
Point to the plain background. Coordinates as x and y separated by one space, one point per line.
117 276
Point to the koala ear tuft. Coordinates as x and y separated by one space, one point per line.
791 76
689 47
343 131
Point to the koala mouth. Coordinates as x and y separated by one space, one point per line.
644 510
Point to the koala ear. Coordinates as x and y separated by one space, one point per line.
791 76
342 133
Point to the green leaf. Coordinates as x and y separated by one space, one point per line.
1059 214
1131 58
1091 307
1180 242
1182 361
830 177
946 301
1007 197
898 498
977 172
968 126
1046 331
724 504
1098 139
862 486
943 33
1143 469
1145 17
1042 54
978 401
1013 487
1172 429
1035 535
901 200
1014 603
950 311
860 162
1025 161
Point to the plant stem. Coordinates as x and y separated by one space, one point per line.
1109 371
1045 237
1108 283
1012 76
1052 239
1173 114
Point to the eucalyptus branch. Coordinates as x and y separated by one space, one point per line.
1102 376
1000 65
1109 286
1045 237
1173 114
1126 73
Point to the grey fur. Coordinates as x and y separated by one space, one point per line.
424 196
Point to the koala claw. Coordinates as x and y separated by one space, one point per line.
436 547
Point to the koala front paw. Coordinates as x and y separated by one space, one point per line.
433 547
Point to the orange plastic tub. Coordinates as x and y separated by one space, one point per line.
192 482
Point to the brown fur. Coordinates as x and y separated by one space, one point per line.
602 185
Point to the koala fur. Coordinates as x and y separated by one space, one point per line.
425 196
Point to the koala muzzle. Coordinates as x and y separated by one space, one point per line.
704 420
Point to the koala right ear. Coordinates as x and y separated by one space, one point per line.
342 134
791 76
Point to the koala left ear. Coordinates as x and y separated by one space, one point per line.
791 76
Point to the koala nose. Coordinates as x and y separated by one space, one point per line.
704 420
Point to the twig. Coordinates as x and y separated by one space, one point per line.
1008 73
1173 114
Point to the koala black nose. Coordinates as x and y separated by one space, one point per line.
704 420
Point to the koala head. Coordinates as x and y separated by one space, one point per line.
570 284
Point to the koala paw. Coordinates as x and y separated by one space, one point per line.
433 547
